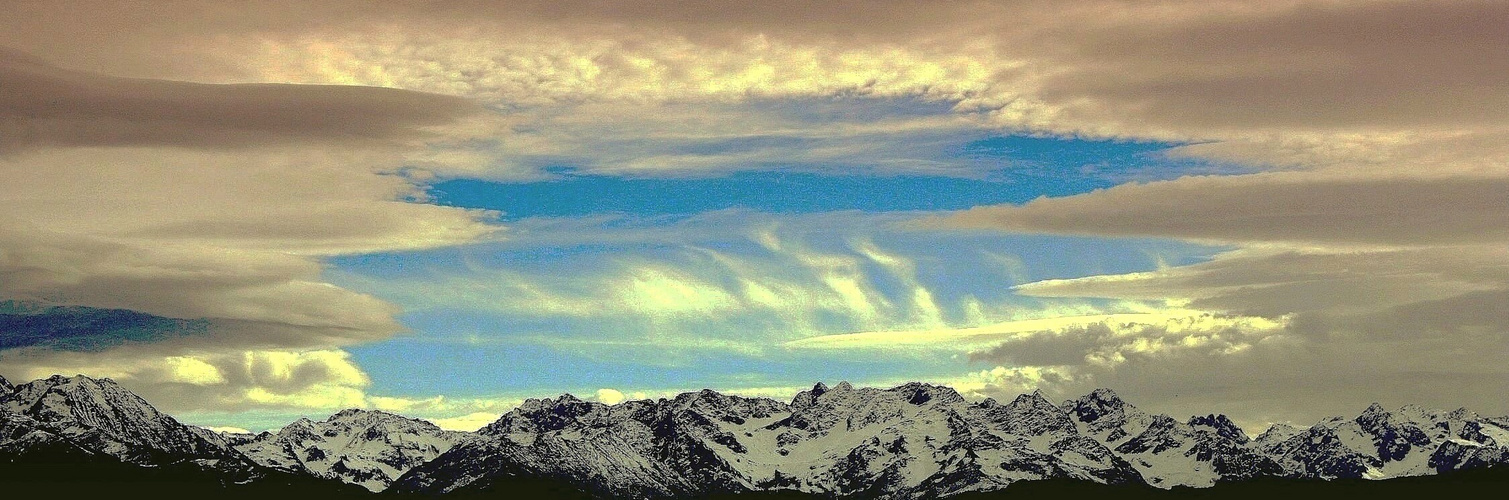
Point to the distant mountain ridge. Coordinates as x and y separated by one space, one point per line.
911 441
79 436
366 448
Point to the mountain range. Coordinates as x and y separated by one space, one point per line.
911 441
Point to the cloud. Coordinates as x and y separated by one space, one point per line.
1286 207
226 239
1245 75
1371 308
47 106
213 205
1300 370
466 423
954 338
725 280
1110 344
321 379
229 430
1245 66
609 396
218 386
1002 382
457 409
1274 281
237 297
217 201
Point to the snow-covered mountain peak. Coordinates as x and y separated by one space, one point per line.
379 418
1423 415
1098 404
1220 425
1278 432
93 402
1034 399
918 393
911 441
722 407
821 409
100 415
364 447
1104 415
545 415
1030 415
351 414
1463 414
5 387
703 398
1104 396
809 397
297 429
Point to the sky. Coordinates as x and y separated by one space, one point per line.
249 212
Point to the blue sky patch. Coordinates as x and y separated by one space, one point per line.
994 170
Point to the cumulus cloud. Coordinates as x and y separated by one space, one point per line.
321 379
609 396
466 423
228 386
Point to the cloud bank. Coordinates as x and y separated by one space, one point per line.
202 212
163 150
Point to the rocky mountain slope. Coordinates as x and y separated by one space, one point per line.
920 440
366 448
104 418
911 441
71 436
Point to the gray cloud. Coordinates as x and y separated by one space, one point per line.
1414 90
1292 207
1442 353
1067 347
47 106
249 299
187 221
1288 65
1414 325
1213 70
1274 282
